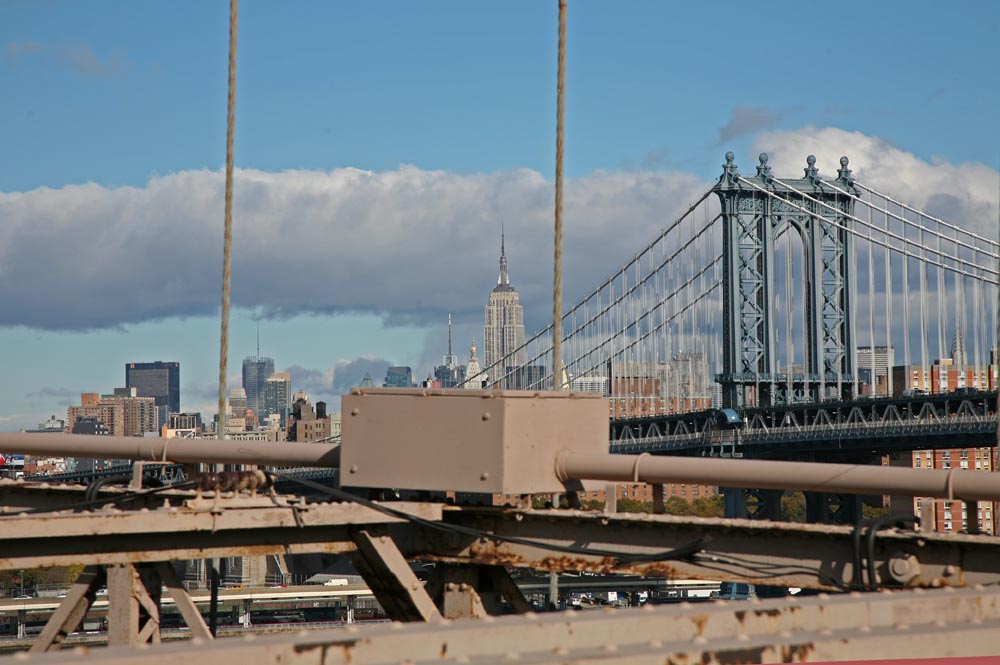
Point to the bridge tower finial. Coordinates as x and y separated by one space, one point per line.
764 169
730 172
812 173
844 173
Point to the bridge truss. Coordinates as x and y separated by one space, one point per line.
128 550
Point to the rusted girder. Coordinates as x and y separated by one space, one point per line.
202 528
184 451
813 556
766 474
780 553
906 624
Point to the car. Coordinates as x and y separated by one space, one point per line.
103 591
23 596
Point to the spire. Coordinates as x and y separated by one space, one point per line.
958 356
504 278
258 338
450 360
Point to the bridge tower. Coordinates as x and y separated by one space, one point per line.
754 211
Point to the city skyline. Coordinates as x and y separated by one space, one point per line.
334 180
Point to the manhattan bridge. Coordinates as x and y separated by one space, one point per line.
796 297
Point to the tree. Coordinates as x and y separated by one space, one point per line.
710 506
675 505
793 507
873 512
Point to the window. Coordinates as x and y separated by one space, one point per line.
945 454
945 464
964 454
917 463
964 464
947 526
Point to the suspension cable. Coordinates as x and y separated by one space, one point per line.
993 247
871 313
557 258
923 214
906 242
886 232
228 235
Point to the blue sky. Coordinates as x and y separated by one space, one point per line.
122 94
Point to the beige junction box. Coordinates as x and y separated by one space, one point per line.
466 440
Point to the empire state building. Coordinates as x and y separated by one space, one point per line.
504 329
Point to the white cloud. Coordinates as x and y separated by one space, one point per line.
964 194
80 58
411 245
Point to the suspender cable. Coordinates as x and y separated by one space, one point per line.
941 302
228 235
997 339
922 267
853 327
871 308
557 258
906 307
888 311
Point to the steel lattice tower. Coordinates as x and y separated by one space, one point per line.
754 211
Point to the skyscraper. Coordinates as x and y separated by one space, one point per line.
398 377
278 396
160 380
256 370
504 329
450 374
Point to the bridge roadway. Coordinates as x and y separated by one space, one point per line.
203 597
823 431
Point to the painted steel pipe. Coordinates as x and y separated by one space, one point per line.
184 451
763 474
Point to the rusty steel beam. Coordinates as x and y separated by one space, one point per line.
202 528
74 608
908 624
182 451
765 474
779 553
740 550
391 579
188 610
18 495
